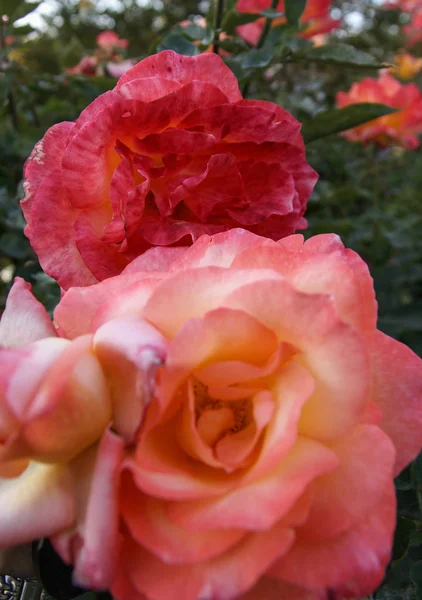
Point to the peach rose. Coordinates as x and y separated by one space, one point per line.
171 153
398 128
316 17
259 462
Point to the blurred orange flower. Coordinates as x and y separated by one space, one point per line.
406 66
399 128
316 16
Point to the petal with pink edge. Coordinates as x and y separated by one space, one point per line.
344 497
397 390
24 319
184 69
275 494
147 520
358 557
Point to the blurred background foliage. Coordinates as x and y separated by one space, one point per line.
371 197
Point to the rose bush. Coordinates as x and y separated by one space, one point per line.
398 128
258 414
171 153
315 18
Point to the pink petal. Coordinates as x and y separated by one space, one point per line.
397 390
147 521
343 498
24 319
275 494
96 561
352 564
130 352
44 159
51 233
184 69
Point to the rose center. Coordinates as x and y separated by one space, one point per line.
216 419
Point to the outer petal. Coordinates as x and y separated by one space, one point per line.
43 161
37 504
343 498
269 588
95 563
24 319
51 233
358 557
224 577
148 523
184 69
397 390
322 266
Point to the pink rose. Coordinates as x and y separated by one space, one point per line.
399 128
110 39
316 17
261 415
171 153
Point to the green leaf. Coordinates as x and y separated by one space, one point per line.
293 10
342 55
256 58
416 576
416 470
233 19
193 31
340 119
179 44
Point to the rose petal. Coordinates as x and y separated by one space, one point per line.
24 319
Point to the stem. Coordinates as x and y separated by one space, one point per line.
10 97
267 26
261 42
218 20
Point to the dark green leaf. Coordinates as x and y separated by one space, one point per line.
293 10
233 19
179 44
417 470
256 59
404 530
416 576
342 55
193 31
340 119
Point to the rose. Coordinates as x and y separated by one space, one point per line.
171 153
109 40
58 458
406 66
397 128
413 30
244 457
316 17
264 463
